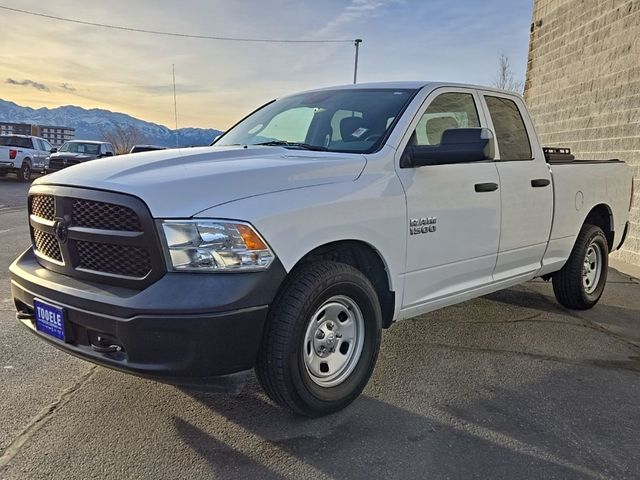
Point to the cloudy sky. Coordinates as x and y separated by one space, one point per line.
49 63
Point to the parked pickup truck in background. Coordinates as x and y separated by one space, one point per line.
307 228
78 151
23 154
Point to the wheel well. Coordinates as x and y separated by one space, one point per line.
27 161
600 216
365 258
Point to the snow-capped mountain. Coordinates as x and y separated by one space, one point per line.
91 124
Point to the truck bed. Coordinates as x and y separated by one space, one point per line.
563 156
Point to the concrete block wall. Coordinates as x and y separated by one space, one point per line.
583 85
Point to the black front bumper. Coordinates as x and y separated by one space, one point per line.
183 329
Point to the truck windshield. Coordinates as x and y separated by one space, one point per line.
348 120
77 147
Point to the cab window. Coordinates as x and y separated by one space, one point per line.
446 111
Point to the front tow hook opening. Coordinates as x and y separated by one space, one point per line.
23 315
105 344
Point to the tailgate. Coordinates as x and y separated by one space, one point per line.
4 154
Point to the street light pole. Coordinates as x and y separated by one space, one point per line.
175 103
357 43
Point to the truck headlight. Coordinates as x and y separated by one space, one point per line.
214 245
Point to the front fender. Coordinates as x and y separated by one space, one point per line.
371 209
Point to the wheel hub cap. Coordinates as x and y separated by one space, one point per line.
592 268
333 341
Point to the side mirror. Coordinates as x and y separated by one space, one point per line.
458 145
53 150
107 154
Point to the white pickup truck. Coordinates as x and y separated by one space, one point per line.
308 227
23 154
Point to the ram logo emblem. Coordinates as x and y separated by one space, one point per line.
418 226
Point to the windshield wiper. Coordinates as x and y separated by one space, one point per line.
282 143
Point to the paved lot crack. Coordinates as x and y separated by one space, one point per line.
588 323
38 421
633 364
530 318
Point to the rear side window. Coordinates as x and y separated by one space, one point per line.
511 133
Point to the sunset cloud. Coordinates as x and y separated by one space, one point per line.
28 83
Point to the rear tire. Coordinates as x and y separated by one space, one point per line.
580 283
24 174
321 339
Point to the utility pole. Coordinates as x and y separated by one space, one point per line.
175 103
357 43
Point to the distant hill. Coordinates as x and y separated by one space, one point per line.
90 124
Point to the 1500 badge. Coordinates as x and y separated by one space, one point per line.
422 225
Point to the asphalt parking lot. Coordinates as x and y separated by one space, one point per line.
510 385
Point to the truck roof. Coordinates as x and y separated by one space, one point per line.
411 85
21 135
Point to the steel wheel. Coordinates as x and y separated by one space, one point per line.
321 339
333 341
592 268
24 174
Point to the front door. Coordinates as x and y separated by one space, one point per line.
454 228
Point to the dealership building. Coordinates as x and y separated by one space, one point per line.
55 135
583 86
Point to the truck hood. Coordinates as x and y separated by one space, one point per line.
179 183
72 156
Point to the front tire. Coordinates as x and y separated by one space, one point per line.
321 339
580 283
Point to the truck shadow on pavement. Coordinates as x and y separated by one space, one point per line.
504 435
560 402
622 322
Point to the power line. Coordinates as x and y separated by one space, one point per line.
170 34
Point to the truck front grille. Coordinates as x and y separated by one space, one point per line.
95 235
47 245
42 206
106 216
116 259
59 164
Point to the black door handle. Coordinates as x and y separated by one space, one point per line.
540 182
486 187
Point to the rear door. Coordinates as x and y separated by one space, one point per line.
453 225
526 193
40 154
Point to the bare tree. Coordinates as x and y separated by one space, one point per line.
123 137
506 78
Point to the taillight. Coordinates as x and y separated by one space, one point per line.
13 154
631 198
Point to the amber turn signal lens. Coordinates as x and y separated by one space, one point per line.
251 238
